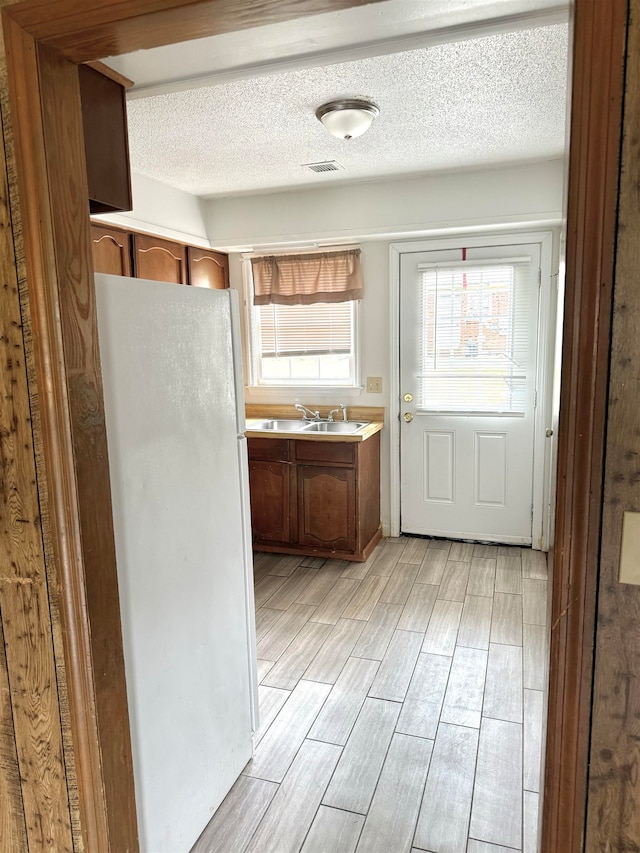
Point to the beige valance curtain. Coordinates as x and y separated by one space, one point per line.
307 279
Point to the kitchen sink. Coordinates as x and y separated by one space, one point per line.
280 425
336 426
286 425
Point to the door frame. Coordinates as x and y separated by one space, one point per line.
44 41
544 362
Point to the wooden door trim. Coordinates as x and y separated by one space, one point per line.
85 32
108 27
594 162
55 424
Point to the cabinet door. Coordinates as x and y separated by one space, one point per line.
326 507
159 260
207 268
111 250
106 141
270 500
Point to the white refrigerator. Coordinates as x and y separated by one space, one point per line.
178 462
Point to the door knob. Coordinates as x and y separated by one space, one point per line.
549 433
408 398
408 417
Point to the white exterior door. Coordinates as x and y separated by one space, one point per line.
468 343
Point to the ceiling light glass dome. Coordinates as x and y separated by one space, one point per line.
347 118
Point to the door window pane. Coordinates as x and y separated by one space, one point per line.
474 338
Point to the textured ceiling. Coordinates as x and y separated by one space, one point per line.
482 101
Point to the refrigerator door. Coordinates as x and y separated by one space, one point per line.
247 541
178 479
238 374
243 457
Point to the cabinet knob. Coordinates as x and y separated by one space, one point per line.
408 417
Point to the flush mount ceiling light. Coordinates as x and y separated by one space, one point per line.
347 118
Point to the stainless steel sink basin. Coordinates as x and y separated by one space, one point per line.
280 425
291 425
336 426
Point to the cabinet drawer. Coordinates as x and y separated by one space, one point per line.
325 451
269 449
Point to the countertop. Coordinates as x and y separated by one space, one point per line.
362 434
256 412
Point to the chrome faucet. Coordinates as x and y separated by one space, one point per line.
307 414
340 408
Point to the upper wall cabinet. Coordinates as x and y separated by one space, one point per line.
106 142
111 250
207 268
159 260
120 252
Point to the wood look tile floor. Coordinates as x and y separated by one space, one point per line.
401 704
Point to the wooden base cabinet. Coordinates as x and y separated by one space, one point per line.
270 505
326 507
315 498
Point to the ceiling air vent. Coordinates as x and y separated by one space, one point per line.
327 166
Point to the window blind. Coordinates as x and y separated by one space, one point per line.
474 349
296 330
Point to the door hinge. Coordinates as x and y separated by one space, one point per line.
535 399
531 513
540 278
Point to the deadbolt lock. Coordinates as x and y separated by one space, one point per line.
408 417
408 398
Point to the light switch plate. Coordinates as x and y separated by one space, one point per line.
630 553
374 384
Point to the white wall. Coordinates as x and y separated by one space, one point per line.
163 210
392 208
456 202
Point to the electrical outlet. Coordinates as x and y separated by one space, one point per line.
374 384
630 554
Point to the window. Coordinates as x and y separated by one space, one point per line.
475 340
305 344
